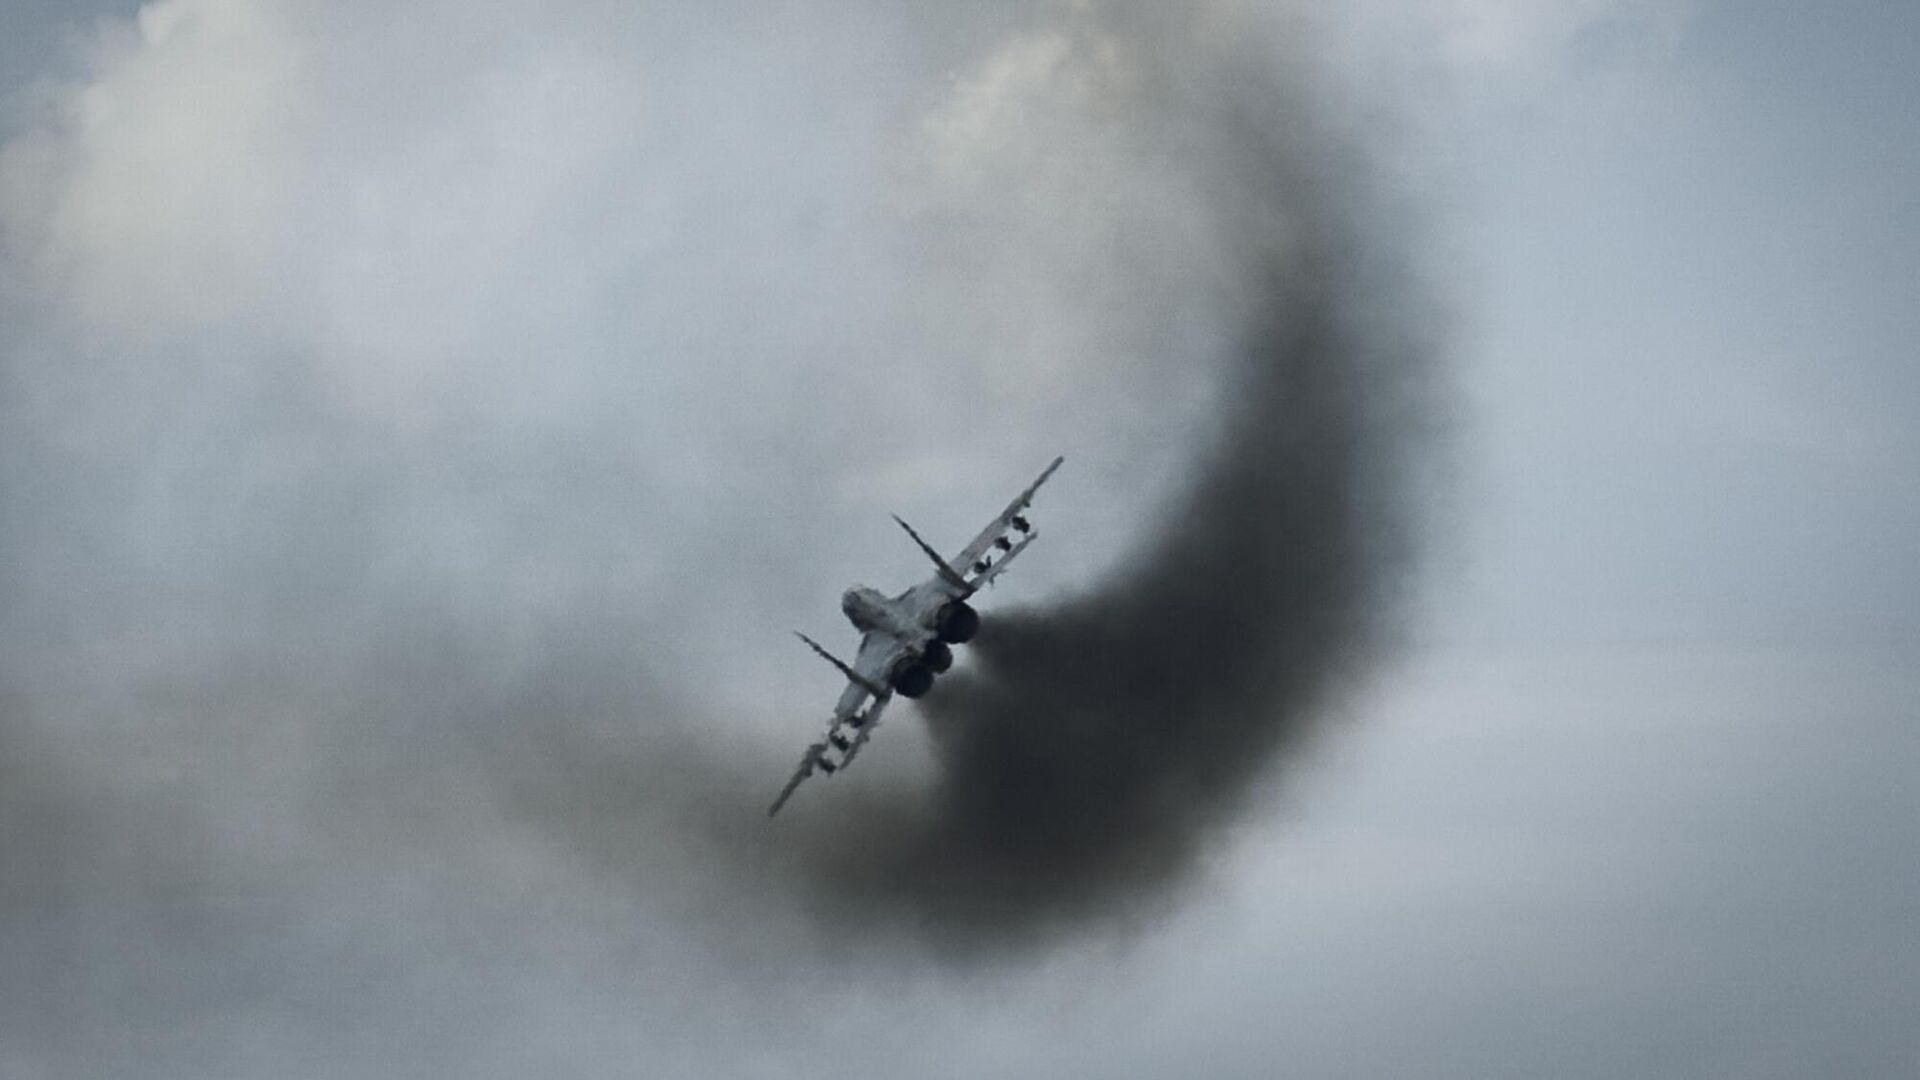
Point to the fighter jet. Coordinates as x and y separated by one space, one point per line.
907 640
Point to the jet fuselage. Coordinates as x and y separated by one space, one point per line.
869 609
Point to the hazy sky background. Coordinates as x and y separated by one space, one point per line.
376 382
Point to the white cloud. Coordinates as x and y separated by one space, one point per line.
160 188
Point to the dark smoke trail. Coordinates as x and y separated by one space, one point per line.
1095 745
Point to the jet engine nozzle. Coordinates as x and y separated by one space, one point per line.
958 623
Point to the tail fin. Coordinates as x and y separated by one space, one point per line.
947 573
853 676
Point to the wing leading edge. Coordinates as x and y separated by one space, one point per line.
976 558
855 715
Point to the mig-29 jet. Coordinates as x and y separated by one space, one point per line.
907 640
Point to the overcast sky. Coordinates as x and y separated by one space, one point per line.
421 427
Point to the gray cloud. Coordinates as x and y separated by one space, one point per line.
410 418
415 452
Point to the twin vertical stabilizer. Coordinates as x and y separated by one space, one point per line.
947 573
853 676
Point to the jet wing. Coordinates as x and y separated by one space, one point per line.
978 557
855 715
